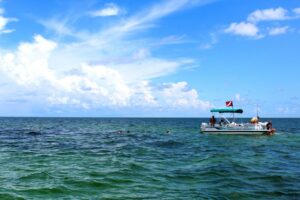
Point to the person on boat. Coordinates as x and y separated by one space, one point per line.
222 122
254 120
212 121
270 128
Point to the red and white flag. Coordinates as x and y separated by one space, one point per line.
229 103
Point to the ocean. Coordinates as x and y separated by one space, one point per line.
144 158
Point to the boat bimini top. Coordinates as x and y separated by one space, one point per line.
227 110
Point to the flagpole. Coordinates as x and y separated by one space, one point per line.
232 112
230 104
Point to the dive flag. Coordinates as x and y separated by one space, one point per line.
229 103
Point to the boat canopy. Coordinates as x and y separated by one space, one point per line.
227 110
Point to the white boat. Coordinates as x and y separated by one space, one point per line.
224 126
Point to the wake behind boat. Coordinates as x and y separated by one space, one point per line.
225 126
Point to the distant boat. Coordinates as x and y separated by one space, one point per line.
225 126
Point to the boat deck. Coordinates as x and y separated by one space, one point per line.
246 129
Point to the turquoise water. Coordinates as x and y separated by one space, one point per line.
97 158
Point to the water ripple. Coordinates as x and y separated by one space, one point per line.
98 158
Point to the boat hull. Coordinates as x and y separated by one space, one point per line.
237 129
235 132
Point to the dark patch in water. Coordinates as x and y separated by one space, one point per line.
168 144
34 133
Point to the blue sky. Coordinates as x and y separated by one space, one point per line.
164 58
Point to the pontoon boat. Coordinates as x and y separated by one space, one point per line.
225 126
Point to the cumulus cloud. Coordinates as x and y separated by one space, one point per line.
107 68
28 65
110 9
243 29
179 95
251 27
169 95
90 86
268 14
278 30
94 86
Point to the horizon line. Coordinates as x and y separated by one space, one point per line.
145 117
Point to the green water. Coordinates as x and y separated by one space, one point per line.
77 158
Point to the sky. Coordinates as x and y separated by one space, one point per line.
150 58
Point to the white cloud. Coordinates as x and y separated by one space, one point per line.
142 53
213 41
149 68
4 21
144 18
114 47
58 26
138 21
109 10
278 30
28 65
143 95
173 39
268 14
179 95
251 28
94 86
170 95
296 11
7 31
106 68
243 29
